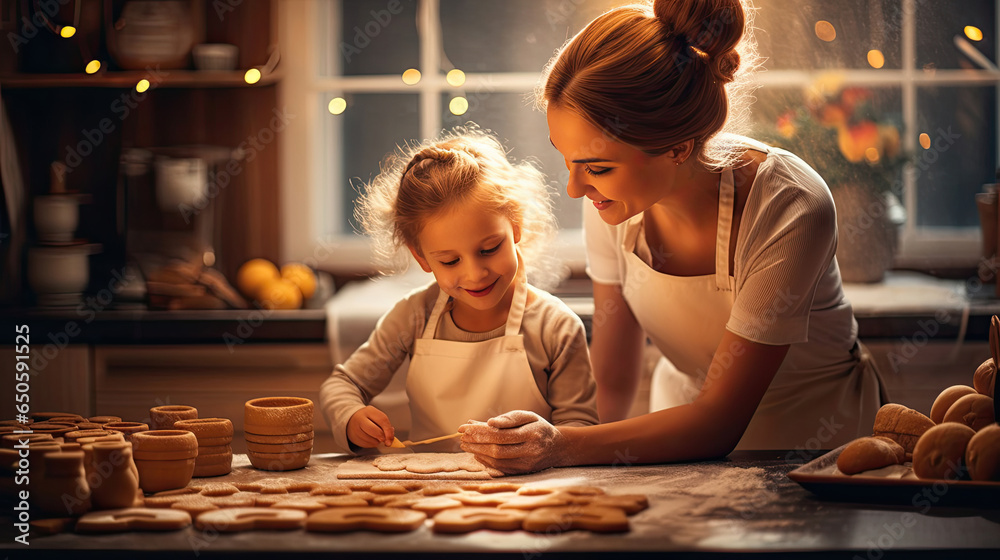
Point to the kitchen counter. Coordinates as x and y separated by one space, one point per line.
744 504
904 303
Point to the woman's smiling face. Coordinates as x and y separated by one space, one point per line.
472 254
620 180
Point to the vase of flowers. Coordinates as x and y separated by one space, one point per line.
856 149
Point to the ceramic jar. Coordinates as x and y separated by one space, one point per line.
64 490
165 458
279 432
215 452
163 417
115 481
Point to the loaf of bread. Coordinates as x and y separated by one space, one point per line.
947 398
901 424
867 453
985 379
940 452
982 456
975 411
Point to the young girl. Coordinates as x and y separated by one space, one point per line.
481 341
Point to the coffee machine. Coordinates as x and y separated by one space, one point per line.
169 214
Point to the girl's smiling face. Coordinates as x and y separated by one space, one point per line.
473 257
620 180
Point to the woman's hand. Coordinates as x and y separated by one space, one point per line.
370 427
516 442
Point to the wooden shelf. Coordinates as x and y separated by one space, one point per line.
128 79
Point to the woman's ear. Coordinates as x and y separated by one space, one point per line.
517 233
420 259
681 152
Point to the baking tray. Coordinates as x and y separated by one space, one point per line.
891 485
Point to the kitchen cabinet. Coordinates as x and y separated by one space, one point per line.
61 378
86 121
215 379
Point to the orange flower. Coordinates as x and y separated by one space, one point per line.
854 140
786 124
851 96
832 115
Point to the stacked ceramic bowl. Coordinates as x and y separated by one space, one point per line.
278 432
165 458
163 417
215 452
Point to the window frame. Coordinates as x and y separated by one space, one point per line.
310 150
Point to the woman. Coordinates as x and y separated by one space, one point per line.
717 248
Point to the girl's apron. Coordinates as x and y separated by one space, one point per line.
685 318
451 382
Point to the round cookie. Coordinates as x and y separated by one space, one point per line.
941 450
592 518
901 424
982 456
985 378
381 519
468 519
975 411
947 398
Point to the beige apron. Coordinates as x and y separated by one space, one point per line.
450 382
685 318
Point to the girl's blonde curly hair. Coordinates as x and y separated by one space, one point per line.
421 181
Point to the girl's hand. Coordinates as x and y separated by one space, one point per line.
370 427
516 442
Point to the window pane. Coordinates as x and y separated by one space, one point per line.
375 37
940 23
850 135
371 127
524 132
789 37
511 35
962 154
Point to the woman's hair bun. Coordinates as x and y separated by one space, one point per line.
711 28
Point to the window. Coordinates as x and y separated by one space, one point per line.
931 78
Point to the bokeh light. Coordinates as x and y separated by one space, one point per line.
825 31
93 66
875 58
252 76
411 76
973 33
142 86
458 105
925 141
455 77
337 105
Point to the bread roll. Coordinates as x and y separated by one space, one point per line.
982 456
975 411
901 424
940 451
947 398
985 379
867 453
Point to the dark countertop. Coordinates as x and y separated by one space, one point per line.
906 303
745 504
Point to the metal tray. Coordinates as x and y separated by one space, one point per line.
891 485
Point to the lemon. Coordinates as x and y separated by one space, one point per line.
302 276
253 274
279 294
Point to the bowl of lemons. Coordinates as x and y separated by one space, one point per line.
271 287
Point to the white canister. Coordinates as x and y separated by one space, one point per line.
56 217
180 182
59 274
